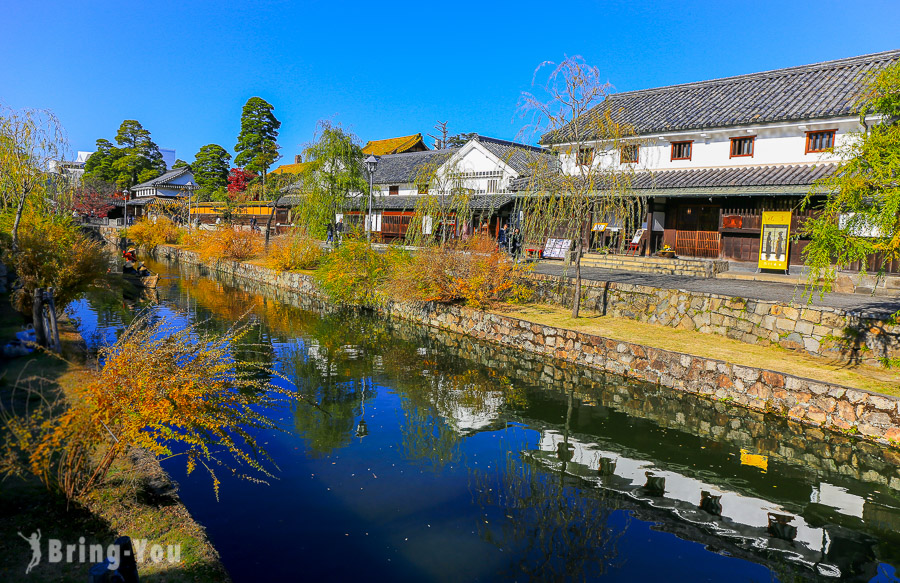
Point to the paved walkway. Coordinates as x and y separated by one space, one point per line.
757 290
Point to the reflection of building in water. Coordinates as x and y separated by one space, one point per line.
466 416
714 514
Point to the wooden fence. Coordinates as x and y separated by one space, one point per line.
698 243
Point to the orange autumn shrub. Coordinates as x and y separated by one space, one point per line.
168 391
225 242
474 271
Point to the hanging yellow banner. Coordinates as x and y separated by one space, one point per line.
774 240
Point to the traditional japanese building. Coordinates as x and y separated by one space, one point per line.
413 143
482 169
172 184
711 156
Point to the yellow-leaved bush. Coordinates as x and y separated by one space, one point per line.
151 233
296 250
53 252
170 391
225 242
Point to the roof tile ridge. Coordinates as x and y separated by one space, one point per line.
781 72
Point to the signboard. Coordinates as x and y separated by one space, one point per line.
599 227
774 240
557 248
637 236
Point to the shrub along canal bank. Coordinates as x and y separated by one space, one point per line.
848 407
137 500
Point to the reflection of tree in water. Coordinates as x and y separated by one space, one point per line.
557 527
332 369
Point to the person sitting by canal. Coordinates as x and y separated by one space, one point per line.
133 266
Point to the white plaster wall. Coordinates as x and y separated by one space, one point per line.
774 144
471 158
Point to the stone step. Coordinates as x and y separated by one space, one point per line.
658 265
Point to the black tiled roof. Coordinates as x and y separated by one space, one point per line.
517 156
477 202
403 168
164 178
789 176
821 90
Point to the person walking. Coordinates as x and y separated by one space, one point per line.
503 238
515 244
329 233
339 231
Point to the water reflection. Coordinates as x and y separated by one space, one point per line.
559 472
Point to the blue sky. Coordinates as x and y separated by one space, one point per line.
381 69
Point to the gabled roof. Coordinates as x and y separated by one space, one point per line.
413 143
296 168
821 90
775 179
517 156
404 168
164 178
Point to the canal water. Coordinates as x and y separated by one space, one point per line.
418 455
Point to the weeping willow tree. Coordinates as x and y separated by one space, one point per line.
30 140
861 214
331 181
590 178
445 199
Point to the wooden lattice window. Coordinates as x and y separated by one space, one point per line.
394 189
742 146
681 150
585 156
822 141
629 154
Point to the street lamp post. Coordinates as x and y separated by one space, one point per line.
190 191
125 214
371 165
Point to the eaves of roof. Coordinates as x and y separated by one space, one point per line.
818 91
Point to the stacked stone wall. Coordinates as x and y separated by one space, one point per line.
820 331
873 416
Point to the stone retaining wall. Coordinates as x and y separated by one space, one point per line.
820 331
780 439
875 417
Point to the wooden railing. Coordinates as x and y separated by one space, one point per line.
698 243
751 219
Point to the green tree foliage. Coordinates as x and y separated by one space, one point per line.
333 179
135 159
179 163
353 274
257 147
460 140
861 214
210 168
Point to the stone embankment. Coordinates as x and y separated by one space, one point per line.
873 416
820 331
795 444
